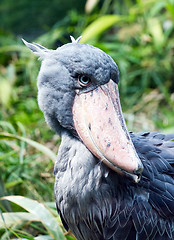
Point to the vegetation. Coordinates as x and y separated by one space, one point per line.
139 35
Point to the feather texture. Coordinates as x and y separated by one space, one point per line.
113 207
94 201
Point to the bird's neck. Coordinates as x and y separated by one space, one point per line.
76 165
81 178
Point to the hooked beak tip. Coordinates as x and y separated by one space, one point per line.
138 173
99 122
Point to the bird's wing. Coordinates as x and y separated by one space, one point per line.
62 218
156 151
151 213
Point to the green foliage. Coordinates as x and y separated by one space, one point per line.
138 34
22 169
142 45
100 25
37 145
32 16
37 212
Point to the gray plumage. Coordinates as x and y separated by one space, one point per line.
57 79
94 201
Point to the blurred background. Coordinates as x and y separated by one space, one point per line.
137 34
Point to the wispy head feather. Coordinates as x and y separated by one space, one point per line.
37 49
75 40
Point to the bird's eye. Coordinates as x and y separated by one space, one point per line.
84 80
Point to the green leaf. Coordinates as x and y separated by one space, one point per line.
34 144
11 153
90 4
40 237
41 213
100 25
157 7
13 183
5 91
12 48
10 218
6 126
43 237
156 31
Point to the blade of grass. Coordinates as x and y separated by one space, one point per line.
8 219
8 126
43 237
7 154
41 212
100 25
162 87
38 146
21 156
13 183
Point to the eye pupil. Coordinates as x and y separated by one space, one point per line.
84 80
